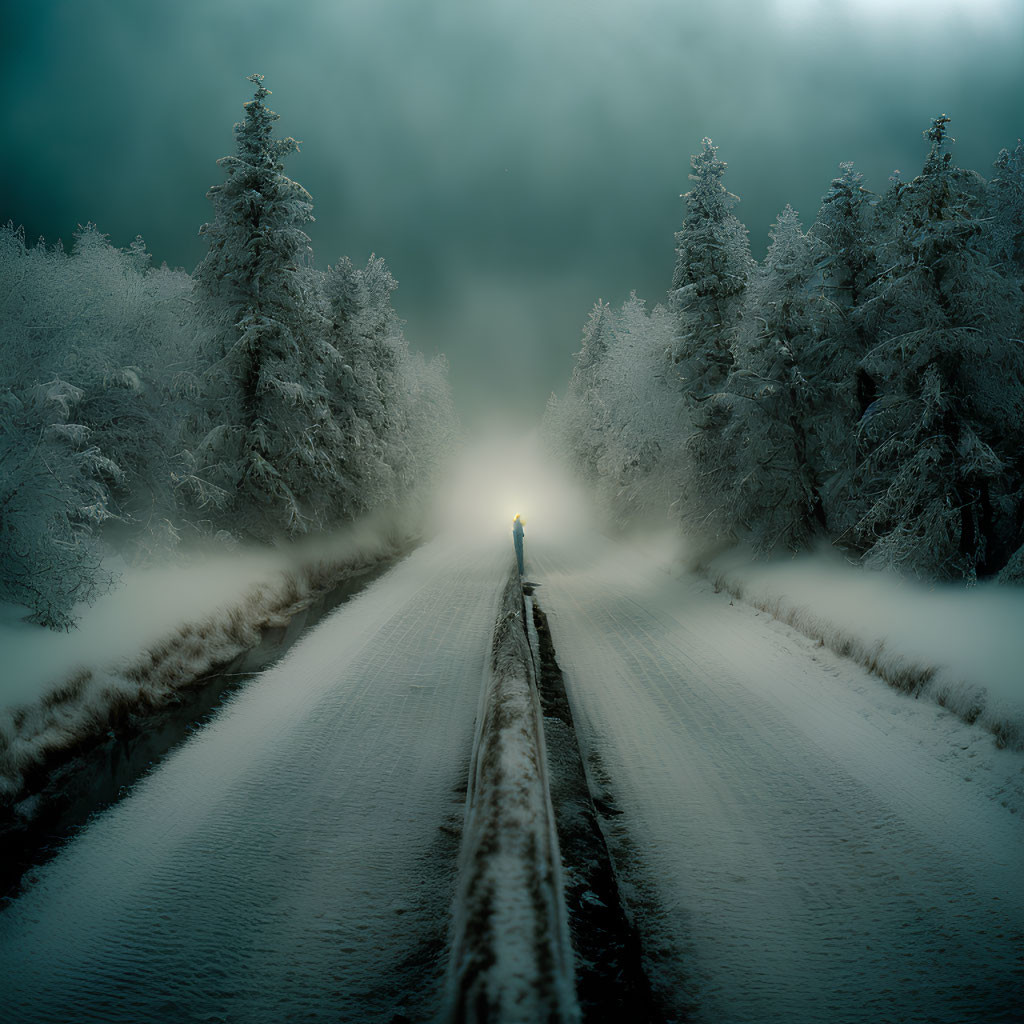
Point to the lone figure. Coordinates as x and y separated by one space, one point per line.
517 539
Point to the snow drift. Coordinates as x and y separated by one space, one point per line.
959 646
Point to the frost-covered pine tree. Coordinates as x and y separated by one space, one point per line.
54 493
584 411
1006 208
125 343
404 398
621 421
1006 220
846 262
845 253
712 266
941 473
767 482
393 407
363 379
639 468
428 425
103 320
267 451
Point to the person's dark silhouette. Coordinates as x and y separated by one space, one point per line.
517 539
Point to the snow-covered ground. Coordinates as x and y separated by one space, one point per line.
149 602
796 840
132 617
803 843
295 860
146 644
968 637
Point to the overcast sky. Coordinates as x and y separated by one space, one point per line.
513 160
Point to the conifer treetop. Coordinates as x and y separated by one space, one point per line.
938 135
254 135
709 198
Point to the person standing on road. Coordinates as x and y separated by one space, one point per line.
517 539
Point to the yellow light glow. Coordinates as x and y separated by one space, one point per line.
489 476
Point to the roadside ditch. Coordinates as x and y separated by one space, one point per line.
84 746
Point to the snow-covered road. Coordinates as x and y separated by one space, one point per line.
805 844
795 841
296 859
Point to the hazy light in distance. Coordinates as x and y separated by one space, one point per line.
501 475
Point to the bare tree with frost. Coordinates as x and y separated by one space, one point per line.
941 473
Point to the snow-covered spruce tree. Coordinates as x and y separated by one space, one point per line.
619 425
639 469
428 432
584 414
767 482
712 266
941 473
267 453
32 307
1006 208
53 494
366 334
103 320
1006 219
395 407
125 343
845 254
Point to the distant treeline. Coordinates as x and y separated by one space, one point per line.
864 383
258 398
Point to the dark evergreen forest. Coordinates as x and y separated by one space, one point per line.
863 384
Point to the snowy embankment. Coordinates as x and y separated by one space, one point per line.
961 647
511 957
146 645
